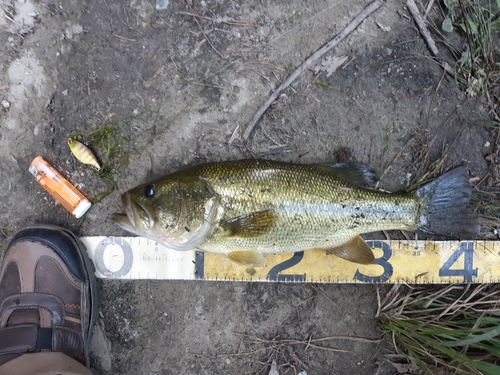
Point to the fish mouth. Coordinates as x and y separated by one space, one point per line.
123 221
134 212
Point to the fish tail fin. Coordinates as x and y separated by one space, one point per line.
443 206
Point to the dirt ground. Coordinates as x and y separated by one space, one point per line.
176 87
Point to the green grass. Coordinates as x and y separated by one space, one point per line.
324 85
486 202
110 149
476 58
113 149
456 327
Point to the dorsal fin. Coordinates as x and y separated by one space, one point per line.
358 174
355 250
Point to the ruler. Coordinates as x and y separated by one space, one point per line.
422 262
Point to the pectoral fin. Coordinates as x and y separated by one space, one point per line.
355 250
249 258
250 225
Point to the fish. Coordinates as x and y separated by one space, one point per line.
248 208
83 153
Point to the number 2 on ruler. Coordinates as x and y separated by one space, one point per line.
467 249
274 273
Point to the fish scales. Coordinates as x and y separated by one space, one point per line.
315 208
248 208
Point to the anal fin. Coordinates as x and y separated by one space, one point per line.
355 250
249 258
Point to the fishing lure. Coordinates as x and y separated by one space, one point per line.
83 153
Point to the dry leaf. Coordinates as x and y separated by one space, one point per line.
330 65
274 369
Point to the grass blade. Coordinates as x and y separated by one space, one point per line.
455 327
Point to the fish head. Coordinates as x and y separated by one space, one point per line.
178 214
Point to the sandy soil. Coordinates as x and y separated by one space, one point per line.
79 66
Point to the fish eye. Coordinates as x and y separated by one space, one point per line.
149 191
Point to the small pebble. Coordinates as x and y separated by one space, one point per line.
161 4
487 144
5 104
65 92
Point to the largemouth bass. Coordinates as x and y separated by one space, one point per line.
245 209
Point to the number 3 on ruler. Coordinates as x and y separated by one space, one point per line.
382 261
466 248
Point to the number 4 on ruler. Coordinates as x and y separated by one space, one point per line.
467 249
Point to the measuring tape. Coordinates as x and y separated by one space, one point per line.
422 262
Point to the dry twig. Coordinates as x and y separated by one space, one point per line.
428 8
208 40
310 61
147 83
276 344
412 7
123 38
420 21
227 21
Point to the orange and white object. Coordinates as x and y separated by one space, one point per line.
60 188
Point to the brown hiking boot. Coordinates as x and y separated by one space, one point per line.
48 295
